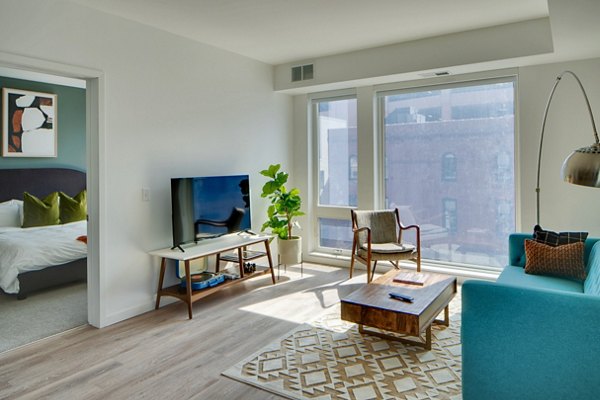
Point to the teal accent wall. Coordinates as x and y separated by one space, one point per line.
70 127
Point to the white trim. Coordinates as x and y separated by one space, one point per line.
374 172
38 77
95 151
448 81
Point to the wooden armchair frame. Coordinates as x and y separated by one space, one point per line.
393 258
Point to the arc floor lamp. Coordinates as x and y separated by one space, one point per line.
582 166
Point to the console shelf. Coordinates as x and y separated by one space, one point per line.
181 293
216 246
247 255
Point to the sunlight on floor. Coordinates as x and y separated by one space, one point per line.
327 294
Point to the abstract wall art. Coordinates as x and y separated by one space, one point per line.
28 123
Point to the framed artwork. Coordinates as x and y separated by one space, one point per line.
28 123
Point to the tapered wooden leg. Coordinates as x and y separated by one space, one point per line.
161 279
188 281
373 273
241 262
352 257
268 250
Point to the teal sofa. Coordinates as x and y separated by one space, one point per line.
530 336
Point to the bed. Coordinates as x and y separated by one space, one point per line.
40 182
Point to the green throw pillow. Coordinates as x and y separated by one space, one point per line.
72 208
38 212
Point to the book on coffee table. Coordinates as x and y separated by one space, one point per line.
411 278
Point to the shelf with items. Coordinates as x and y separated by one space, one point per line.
180 292
237 244
247 255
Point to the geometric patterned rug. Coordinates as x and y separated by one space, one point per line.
330 359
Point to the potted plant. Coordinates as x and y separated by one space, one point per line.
284 208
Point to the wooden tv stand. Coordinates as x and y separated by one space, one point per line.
206 248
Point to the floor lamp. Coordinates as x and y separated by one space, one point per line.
582 167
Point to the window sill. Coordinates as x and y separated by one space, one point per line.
462 272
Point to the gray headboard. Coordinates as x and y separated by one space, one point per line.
39 182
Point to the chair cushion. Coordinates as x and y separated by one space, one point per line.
389 248
516 276
382 224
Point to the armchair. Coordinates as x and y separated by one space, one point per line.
378 236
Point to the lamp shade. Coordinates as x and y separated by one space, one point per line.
582 167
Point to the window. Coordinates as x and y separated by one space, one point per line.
337 165
449 206
449 167
425 131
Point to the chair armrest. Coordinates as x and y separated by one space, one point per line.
525 343
355 243
357 230
417 227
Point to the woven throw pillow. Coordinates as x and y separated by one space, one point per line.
564 261
557 238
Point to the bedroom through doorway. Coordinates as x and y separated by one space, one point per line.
56 299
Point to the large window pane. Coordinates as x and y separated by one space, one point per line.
449 156
338 166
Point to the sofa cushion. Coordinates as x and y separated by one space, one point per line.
565 261
516 276
592 282
557 238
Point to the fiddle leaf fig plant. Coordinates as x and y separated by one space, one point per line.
285 204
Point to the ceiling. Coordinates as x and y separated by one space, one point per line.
282 31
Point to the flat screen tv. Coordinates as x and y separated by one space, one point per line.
209 206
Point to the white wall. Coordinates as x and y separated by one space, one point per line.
172 107
563 206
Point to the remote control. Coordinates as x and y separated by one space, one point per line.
402 297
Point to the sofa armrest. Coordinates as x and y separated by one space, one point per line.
522 343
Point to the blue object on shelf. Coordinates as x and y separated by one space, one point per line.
203 280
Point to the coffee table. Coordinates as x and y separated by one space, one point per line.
371 306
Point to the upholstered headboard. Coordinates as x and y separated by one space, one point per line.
40 182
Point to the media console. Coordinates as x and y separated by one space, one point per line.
206 248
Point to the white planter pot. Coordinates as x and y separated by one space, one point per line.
290 250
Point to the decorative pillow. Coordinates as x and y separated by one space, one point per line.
557 238
10 214
72 208
38 212
565 261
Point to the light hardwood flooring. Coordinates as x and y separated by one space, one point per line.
163 355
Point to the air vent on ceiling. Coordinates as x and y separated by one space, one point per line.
302 72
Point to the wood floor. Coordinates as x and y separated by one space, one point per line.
163 355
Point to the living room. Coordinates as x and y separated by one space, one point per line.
161 105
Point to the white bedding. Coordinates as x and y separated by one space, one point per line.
32 249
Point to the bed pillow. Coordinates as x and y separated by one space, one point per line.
10 215
72 208
565 261
557 238
38 212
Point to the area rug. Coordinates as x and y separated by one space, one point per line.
330 359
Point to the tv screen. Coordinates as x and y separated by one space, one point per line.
210 206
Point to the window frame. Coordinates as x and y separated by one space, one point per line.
318 210
477 79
